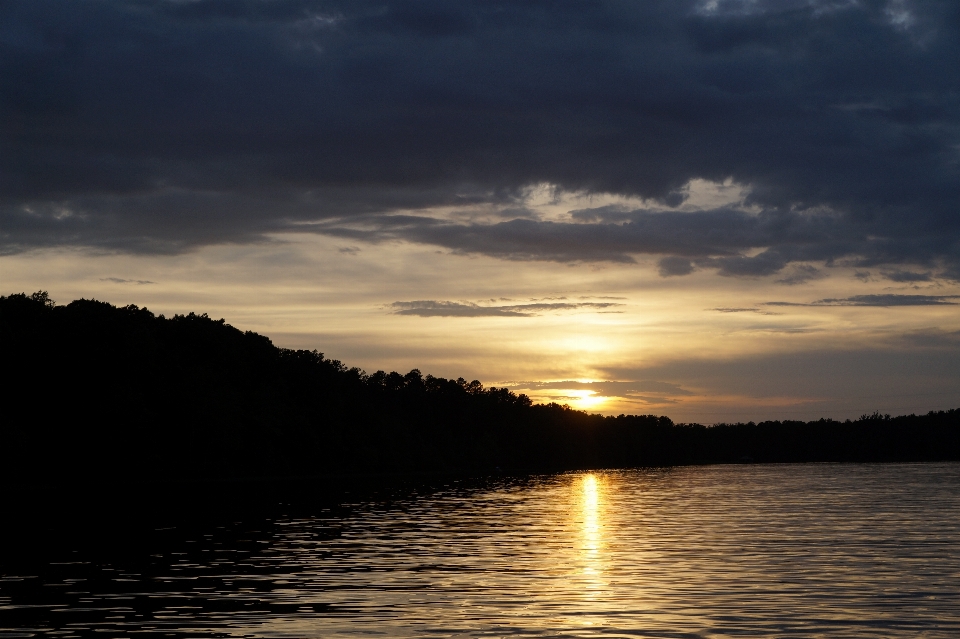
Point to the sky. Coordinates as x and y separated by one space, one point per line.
715 210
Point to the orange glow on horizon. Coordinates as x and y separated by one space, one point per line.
587 400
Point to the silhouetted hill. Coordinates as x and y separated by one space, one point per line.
96 391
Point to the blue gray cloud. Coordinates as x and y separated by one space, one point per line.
159 126
908 276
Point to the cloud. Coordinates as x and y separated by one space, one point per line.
759 311
802 273
907 276
433 308
149 126
674 265
890 299
653 400
623 389
707 239
118 280
915 372
933 338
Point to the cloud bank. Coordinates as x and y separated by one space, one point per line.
151 126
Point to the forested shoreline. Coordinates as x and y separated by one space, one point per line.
96 391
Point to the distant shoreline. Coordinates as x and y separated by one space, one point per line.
107 394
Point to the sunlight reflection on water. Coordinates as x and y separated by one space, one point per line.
771 551
591 546
588 489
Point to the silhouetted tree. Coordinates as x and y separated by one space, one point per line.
98 391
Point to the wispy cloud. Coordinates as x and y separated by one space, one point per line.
878 300
759 311
436 308
120 280
890 300
639 389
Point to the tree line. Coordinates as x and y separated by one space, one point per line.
94 391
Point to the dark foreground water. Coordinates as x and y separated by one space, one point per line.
719 551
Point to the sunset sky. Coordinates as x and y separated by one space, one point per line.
713 210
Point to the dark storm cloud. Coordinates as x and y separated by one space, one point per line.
433 308
157 126
708 239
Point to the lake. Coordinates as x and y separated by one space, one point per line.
838 550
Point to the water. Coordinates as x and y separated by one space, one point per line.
719 551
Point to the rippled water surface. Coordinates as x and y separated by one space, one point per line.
797 550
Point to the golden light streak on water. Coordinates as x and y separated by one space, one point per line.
592 545
590 517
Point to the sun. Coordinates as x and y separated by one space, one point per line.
586 399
